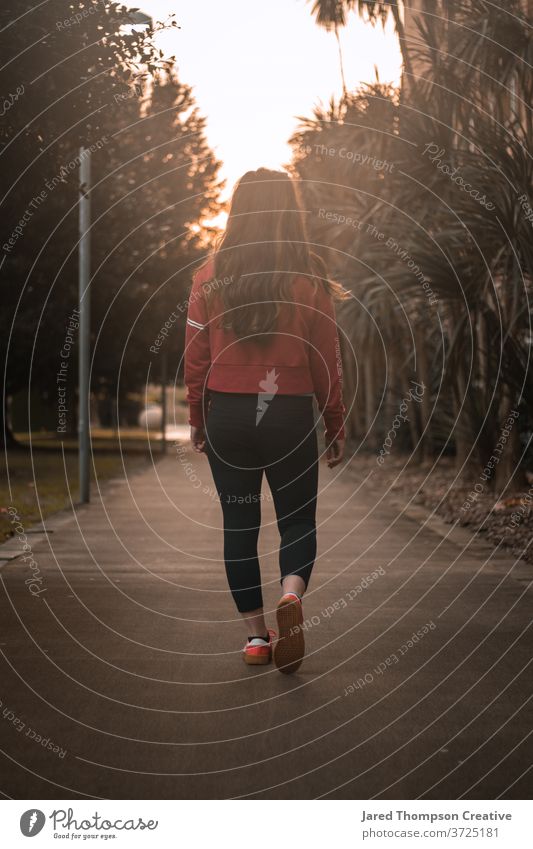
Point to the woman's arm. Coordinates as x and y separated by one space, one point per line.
197 354
326 366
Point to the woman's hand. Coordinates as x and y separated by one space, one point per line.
198 439
335 452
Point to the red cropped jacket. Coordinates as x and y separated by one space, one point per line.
301 357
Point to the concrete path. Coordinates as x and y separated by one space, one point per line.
121 672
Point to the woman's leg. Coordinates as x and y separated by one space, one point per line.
293 480
295 503
238 484
294 584
239 490
254 623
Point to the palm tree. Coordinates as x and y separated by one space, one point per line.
473 349
333 14
481 88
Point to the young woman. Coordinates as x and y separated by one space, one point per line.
261 341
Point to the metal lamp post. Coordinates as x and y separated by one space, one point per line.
84 267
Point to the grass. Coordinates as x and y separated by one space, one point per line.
44 480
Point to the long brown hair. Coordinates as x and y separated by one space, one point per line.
262 248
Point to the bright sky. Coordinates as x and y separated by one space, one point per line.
255 65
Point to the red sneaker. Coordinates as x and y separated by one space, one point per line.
259 651
290 646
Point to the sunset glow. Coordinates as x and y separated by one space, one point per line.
260 65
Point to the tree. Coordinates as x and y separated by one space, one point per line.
78 68
68 61
159 187
333 14
446 289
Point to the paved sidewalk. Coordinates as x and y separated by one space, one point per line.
122 675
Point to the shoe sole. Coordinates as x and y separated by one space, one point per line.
289 650
252 660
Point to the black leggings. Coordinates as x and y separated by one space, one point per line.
246 436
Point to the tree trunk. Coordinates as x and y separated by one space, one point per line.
509 474
404 47
370 395
417 452
424 377
7 437
465 460
341 62
348 392
483 356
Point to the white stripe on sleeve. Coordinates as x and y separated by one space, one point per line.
195 324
